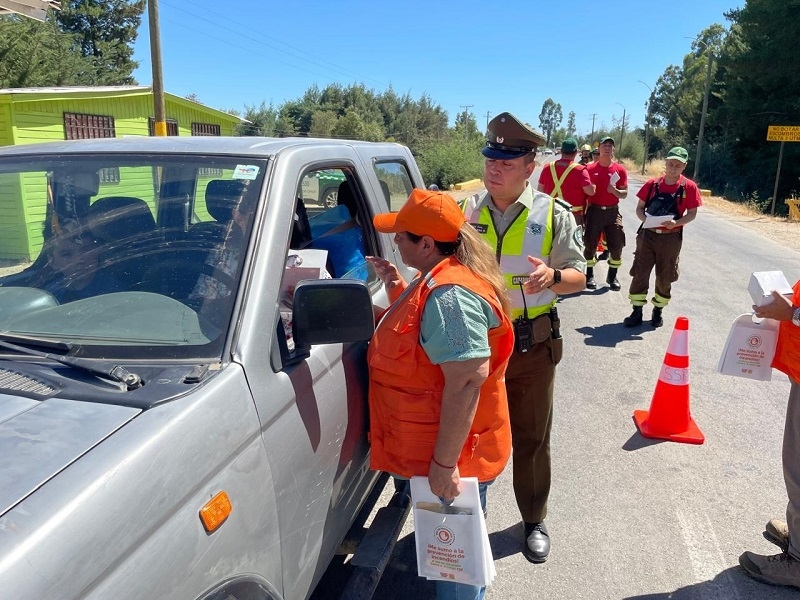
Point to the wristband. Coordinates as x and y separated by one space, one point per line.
433 459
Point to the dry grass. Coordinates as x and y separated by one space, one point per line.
778 229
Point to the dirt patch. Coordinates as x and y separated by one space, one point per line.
779 229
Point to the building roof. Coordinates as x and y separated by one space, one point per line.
49 93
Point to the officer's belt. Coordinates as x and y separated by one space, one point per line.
676 230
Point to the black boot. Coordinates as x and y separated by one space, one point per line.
656 320
591 284
612 280
635 319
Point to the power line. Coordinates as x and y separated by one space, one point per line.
294 53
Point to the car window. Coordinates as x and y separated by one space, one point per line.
331 235
395 182
126 256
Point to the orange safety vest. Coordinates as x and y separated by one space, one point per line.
405 392
787 352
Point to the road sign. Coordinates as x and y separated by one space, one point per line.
783 133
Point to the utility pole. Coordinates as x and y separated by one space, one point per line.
160 125
703 114
487 120
466 131
591 135
646 124
622 129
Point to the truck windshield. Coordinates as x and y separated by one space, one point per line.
125 256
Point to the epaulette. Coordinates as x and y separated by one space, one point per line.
563 204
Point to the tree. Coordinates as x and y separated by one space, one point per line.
261 121
104 31
550 118
571 124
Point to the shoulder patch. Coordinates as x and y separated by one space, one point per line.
563 204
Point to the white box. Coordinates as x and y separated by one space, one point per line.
763 283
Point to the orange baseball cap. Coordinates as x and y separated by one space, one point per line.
425 213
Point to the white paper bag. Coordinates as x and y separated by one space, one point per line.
452 540
750 348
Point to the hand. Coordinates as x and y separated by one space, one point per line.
445 483
612 189
671 224
780 308
540 279
386 271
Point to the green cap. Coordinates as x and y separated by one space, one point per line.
608 138
678 153
569 145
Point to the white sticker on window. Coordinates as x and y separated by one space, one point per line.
245 172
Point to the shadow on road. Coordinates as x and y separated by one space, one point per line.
730 583
609 334
637 441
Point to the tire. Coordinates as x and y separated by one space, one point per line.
329 197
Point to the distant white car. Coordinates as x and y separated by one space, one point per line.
548 151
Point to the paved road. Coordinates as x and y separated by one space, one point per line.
632 518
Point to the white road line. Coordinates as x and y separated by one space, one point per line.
705 554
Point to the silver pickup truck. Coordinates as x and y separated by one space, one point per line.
182 378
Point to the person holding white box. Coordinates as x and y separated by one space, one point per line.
784 568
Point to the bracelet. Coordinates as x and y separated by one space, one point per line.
433 459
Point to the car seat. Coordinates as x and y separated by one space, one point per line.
126 233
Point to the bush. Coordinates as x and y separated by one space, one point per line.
452 161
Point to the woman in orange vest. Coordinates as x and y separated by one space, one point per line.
437 361
784 569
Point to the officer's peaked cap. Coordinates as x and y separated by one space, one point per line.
507 138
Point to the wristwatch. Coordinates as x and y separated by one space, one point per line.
557 278
796 317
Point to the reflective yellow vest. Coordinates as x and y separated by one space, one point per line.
531 233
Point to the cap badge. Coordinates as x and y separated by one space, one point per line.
500 140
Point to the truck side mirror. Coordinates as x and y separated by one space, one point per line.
331 311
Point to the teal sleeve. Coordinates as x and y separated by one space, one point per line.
455 325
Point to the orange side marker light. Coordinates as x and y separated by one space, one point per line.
215 511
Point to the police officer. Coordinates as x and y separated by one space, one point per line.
540 249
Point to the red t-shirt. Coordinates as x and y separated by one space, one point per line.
691 197
572 187
601 176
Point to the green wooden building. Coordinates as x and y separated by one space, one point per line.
34 115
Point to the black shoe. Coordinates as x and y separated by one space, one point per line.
603 255
537 543
591 284
656 320
635 319
612 280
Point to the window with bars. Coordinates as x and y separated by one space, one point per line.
83 127
172 126
205 129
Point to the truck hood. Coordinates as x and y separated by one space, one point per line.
40 438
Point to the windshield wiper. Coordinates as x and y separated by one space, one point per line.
27 345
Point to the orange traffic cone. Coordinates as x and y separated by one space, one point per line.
668 417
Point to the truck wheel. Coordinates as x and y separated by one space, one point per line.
330 197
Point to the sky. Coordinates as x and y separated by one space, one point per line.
596 58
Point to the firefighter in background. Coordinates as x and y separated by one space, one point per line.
676 198
567 180
586 155
603 216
